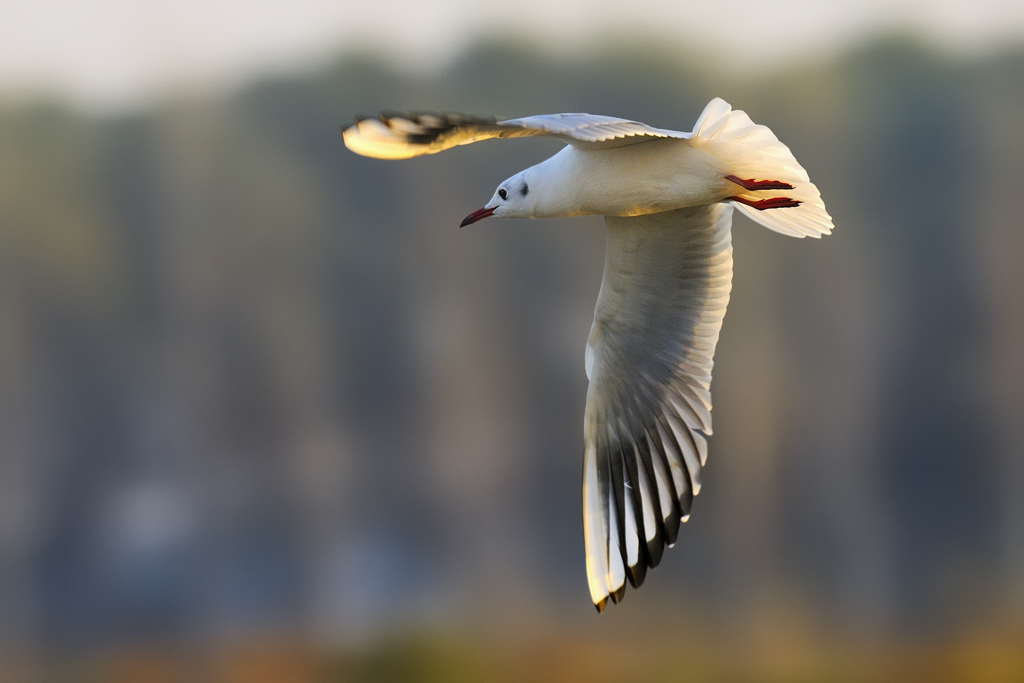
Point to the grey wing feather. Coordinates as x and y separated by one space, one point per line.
401 136
650 353
593 129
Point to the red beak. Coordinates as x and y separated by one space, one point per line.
477 215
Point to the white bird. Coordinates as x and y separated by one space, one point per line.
667 198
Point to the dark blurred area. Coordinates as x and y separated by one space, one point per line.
267 414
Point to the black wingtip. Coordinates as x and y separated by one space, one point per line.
601 604
671 529
637 573
656 548
686 500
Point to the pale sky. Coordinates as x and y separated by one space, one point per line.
110 54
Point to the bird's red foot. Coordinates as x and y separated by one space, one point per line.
770 203
752 185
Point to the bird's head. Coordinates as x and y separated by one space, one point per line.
514 198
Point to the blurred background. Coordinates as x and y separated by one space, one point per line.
267 414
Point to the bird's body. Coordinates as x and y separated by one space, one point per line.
669 174
668 198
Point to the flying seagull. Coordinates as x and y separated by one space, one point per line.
667 198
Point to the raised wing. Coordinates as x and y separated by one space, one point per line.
666 285
401 136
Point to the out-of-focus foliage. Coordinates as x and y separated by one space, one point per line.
253 386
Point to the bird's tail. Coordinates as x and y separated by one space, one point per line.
772 188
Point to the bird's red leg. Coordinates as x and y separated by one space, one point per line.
770 203
752 185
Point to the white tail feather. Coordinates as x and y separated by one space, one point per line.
753 152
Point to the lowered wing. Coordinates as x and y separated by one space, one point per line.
666 285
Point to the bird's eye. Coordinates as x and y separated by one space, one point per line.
503 193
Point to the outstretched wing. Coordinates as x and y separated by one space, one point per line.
401 136
666 285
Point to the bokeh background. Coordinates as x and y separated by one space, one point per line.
267 414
